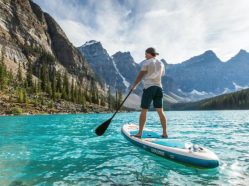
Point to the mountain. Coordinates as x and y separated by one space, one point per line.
236 100
198 73
32 42
205 75
103 64
200 77
237 69
126 66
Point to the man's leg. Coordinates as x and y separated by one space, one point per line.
163 121
142 120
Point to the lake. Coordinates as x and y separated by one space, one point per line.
64 150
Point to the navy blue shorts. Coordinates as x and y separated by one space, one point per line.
153 93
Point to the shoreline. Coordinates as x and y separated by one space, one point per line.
68 113
108 112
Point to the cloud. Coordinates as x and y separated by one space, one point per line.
178 30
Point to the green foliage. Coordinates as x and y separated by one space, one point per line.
16 111
19 74
20 95
51 83
109 98
44 77
59 82
29 75
102 101
72 91
49 89
3 74
119 98
65 92
236 100
25 97
30 49
46 58
10 78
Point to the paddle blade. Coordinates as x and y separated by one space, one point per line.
100 130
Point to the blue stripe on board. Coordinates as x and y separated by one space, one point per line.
177 157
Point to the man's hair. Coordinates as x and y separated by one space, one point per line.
151 51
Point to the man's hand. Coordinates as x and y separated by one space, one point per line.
133 87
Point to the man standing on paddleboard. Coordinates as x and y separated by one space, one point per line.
151 72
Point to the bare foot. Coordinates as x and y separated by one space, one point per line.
137 135
164 136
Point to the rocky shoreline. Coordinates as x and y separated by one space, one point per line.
10 106
10 109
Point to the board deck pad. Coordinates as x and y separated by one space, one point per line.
146 134
170 143
159 140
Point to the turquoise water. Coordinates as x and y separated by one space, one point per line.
63 150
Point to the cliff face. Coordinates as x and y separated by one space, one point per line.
104 65
26 32
19 27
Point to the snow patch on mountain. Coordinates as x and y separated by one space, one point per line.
91 42
227 90
196 95
126 83
238 87
196 92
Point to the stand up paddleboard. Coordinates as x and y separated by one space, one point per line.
172 149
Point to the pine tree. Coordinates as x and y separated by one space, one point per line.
3 73
75 94
20 95
10 77
59 82
35 87
53 84
49 89
72 90
119 98
29 75
44 77
25 97
78 94
19 74
66 86
102 101
94 92
109 98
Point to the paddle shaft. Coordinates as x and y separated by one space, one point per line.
121 104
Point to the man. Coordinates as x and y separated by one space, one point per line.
151 72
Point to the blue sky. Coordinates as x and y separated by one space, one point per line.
177 29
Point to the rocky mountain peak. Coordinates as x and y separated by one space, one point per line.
241 57
91 42
123 57
208 57
242 54
93 48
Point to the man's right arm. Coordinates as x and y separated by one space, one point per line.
138 79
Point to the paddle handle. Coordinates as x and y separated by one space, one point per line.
121 104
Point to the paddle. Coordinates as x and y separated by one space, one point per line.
100 130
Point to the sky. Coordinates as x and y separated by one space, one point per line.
178 29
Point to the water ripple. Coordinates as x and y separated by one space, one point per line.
63 150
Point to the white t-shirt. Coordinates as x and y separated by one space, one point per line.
155 70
